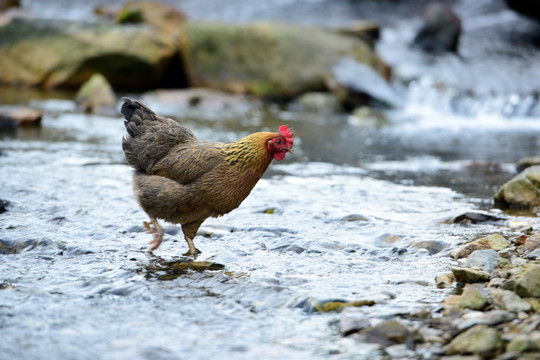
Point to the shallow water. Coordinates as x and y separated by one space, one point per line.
78 282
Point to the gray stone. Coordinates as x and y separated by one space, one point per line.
528 284
469 275
480 340
533 255
351 323
472 298
387 333
489 318
509 300
486 260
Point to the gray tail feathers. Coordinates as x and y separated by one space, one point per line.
134 114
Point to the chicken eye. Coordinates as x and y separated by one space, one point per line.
278 141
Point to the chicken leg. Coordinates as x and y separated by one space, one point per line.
190 230
153 228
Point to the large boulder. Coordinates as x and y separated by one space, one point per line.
50 54
266 59
523 191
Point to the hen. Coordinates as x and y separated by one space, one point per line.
184 180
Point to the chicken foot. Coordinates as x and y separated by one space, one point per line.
153 228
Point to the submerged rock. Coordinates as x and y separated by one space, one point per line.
312 305
479 339
523 191
476 218
351 323
96 96
265 59
3 206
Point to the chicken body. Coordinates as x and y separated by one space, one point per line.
184 180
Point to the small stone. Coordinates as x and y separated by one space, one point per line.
354 218
531 243
528 284
490 318
12 117
469 275
445 280
526 162
508 300
351 323
480 339
533 255
432 246
472 298
496 282
389 332
524 342
486 260
96 96
494 242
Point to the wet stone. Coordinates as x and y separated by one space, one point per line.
490 318
533 255
524 342
479 339
432 246
476 218
472 298
469 275
354 218
387 333
494 241
445 280
508 300
289 248
312 305
486 260
351 323
528 284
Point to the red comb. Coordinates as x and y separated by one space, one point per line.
287 134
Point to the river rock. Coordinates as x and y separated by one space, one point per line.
440 31
432 246
96 96
479 339
522 191
469 275
533 255
13 116
526 162
489 318
528 284
472 298
3 206
531 243
445 280
387 333
509 300
524 342
486 260
159 16
264 58
494 241
50 54
356 84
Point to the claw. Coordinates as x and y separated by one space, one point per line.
153 228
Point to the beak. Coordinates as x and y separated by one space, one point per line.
290 150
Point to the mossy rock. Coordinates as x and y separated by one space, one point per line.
265 59
54 54
523 191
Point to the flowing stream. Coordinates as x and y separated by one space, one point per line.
359 212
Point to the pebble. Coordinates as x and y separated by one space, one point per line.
494 241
